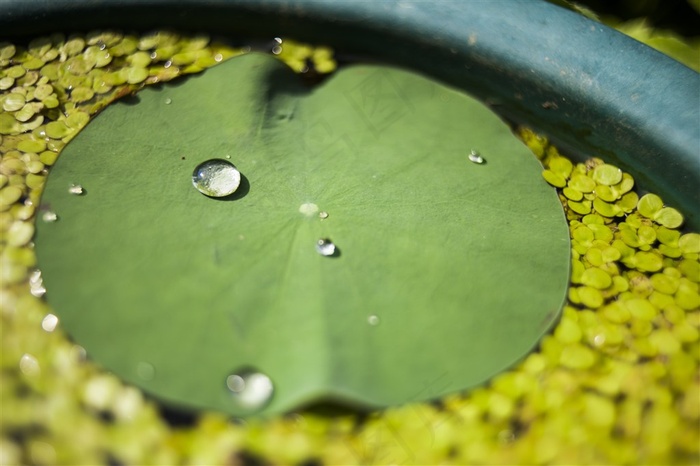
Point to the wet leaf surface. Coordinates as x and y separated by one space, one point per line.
444 272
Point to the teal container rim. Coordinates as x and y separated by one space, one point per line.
592 90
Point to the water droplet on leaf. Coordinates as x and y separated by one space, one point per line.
145 370
250 390
49 217
475 157
76 189
325 247
323 214
373 320
216 178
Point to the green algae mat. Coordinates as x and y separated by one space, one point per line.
450 257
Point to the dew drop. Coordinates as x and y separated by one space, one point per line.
49 323
29 365
323 214
145 370
373 320
276 50
216 178
168 101
49 217
78 353
475 157
36 284
325 247
218 57
76 189
250 390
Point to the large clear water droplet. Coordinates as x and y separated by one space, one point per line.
325 247
216 178
250 390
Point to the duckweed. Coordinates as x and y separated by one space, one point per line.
615 383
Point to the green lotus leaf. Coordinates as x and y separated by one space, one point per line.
443 273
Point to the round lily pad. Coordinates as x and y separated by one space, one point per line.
443 272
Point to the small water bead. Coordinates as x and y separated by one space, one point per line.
76 190
145 370
49 323
373 320
325 247
49 217
475 157
216 178
250 390
168 101
37 289
323 214
29 365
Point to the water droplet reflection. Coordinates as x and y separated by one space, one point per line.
235 383
475 157
36 284
49 323
216 178
29 365
250 390
168 101
78 353
49 217
323 214
599 340
373 320
145 370
325 247
76 189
